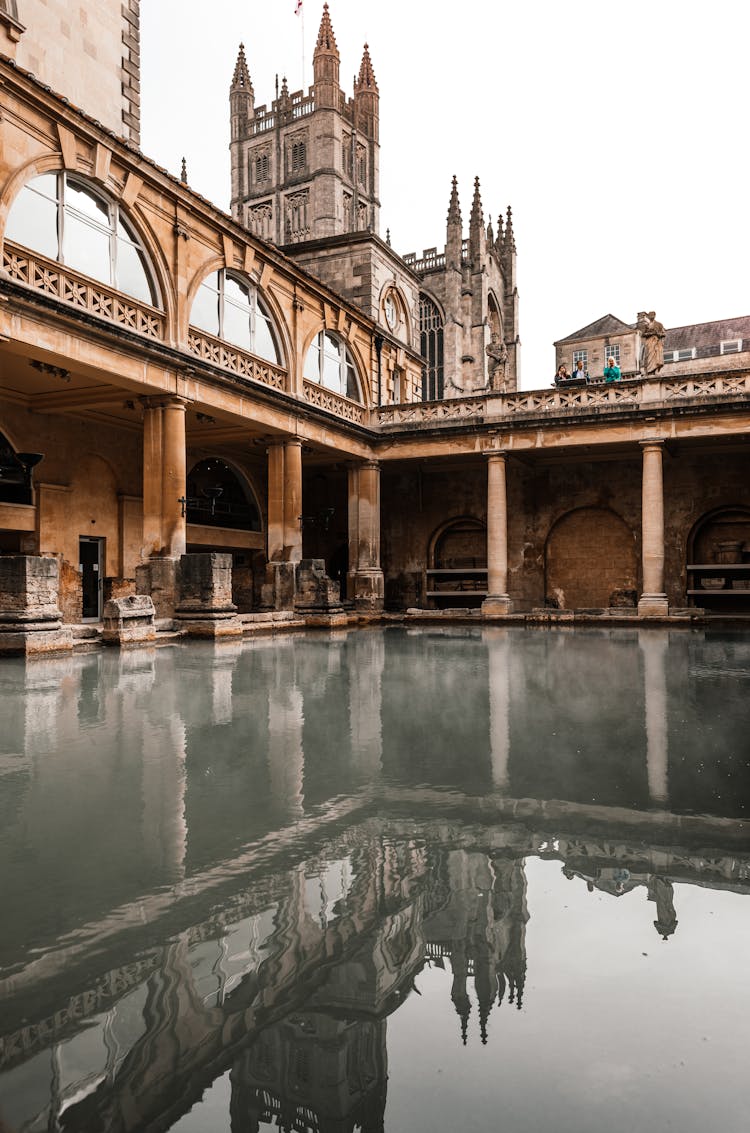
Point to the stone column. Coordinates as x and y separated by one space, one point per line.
653 600
365 576
284 526
497 600
164 486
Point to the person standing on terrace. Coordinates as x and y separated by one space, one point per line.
611 371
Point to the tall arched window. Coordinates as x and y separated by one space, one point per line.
229 308
431 339
66 220
216 497
330 363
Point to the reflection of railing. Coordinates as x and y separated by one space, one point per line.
96 298
647 393
234 360
323 398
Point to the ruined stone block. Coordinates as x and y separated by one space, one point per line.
129 620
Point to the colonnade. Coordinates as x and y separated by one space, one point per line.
653 600
164 524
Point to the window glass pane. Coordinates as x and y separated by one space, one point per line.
331 347
132 277
46 184
265 347
86 248
332 372
312 363
234 291
82 201
33 222
352 389
237 326
205 312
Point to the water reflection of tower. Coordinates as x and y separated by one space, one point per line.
480 927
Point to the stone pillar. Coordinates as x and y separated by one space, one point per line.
205 607
284 525
497 600
30 617
164 485
365 577
653 600
654 644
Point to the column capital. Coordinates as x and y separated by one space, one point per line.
653 443
495 454
164 401
290 442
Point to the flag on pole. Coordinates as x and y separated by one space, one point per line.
297 7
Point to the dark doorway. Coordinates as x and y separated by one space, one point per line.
90 561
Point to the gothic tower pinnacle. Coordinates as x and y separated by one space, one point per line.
241 97
366 98
326 61
477 235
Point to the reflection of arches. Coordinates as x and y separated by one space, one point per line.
218 496
460 543
591 561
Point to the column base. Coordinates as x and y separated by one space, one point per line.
279 589
211 625
653 606
33 641
497 604
158 578
368 590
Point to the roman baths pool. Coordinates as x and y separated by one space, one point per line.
380 879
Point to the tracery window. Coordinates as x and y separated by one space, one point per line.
64 219
330 363
362 165
431 344
229 307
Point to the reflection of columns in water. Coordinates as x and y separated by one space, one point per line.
365 698
164 831
223 662
654 644
498 648
48 685
286 758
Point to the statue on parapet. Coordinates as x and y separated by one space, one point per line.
497 355
652 343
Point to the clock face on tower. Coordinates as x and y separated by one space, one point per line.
391 312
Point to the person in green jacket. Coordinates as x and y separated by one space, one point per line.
611 371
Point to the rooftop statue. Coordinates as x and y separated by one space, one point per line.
652 342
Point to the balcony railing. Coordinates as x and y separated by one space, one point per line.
88 295
234 361
647 393
323 398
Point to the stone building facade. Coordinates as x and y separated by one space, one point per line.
171 383
305 175
697 348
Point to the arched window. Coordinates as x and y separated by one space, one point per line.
431 339
64 219
330 363
229 308
216 497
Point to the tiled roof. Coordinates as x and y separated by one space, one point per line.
702 335
606 325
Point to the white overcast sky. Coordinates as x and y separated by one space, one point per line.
616 130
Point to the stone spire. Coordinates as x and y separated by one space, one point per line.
509 244
326 63
500 234
367 98
241 97
183 172
454 231
477 235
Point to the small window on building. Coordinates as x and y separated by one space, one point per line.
683 355
298 156
731 346
581 356
262 168
612 350
397 383
330 363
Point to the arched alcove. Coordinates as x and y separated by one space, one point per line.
591 561
718 559
457 563
218 497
